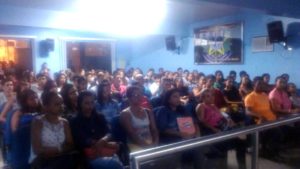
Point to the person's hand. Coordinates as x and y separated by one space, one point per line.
101 143
186 135
113 145
297 110
148 142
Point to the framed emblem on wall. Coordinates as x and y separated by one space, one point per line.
220 44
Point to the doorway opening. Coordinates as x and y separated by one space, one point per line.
89 55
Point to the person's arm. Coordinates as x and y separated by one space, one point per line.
127 124
242 93
196 91
8 105
200 116
68 145
15 121
275 106
250 112
38 149
232 102
153 128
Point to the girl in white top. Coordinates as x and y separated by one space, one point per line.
51 134
138 122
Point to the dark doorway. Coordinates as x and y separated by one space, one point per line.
89 55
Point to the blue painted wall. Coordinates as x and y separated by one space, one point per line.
277 62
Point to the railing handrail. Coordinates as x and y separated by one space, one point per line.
148 154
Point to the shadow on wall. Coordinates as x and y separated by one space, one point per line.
293 35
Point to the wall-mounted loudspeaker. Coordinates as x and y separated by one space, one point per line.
171 43
275 31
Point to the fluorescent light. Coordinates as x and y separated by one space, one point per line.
289 48
119 17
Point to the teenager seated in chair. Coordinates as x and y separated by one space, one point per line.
266 78
232 74
183 90
105 104
199 87
138 122
214 122
91 135
51 137
245 87
8 99
19 129
219 81
70 96
234 101
8 104
294 97
279 99
175 124
165 85
219 100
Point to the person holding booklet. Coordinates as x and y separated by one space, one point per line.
175 124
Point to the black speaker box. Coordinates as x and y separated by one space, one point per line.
275 31
171 43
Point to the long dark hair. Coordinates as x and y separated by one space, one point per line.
65 95
57 78
25 108
100 91
167 97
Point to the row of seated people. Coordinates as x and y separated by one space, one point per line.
53 139
109 108
51 134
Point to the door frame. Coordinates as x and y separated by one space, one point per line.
63 49
33 40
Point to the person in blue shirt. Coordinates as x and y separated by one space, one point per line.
169 131
105 104
91 135
19 129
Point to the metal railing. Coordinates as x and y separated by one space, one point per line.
137 158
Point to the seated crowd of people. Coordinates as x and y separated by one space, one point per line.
89 119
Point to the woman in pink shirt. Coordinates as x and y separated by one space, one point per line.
212 119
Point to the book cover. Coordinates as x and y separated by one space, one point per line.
186 125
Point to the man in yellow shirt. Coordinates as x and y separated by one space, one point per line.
258 105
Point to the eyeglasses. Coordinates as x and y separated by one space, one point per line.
136 95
